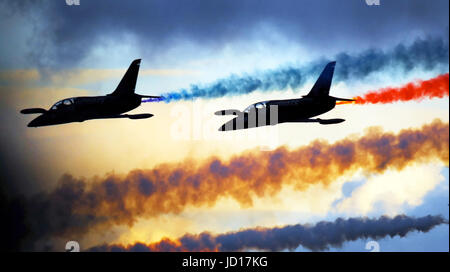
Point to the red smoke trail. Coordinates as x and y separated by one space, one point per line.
417 90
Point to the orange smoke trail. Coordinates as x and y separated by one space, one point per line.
418 90
77 205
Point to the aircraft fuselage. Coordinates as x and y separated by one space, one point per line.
297 110
272 112
79 109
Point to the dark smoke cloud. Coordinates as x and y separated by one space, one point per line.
320 236
77 206
13 225
425 54
71 32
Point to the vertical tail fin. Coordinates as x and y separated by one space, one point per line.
323 83
128 83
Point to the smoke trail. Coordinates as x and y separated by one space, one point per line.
425 54
321 236
78 205
418 90
153 99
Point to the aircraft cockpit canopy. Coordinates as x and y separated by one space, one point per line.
256 106
62 103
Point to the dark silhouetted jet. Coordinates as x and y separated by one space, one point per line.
273 112
79 109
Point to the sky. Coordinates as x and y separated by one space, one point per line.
112 184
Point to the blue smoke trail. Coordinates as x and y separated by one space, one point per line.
153 99
426 54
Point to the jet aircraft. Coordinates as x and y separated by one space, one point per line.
272 112
79 109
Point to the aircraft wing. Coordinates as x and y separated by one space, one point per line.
239 123
130 116
322 121
137 116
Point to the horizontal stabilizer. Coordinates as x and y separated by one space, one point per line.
150 96
228 112
33 111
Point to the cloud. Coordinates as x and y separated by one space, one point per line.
18 76
76 77
316 237
390 192
70 33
